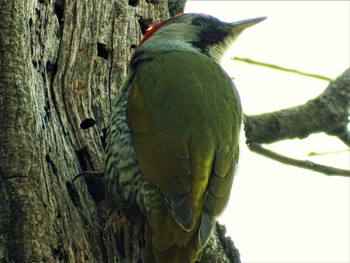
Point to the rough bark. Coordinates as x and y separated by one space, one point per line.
61 63
326 113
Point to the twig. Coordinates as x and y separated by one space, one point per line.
268 65
327 170
325 153
89 174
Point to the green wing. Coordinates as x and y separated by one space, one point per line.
185 117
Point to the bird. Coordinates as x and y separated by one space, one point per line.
173 134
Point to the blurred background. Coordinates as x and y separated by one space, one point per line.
280 213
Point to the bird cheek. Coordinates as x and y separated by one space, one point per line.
211 39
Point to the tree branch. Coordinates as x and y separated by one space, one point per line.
326 113
331 171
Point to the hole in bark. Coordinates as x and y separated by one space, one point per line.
96 188
133 2
73 194
133 46
83 158
51 67
87 123
30 22
102 50
59 11
144 24
94 184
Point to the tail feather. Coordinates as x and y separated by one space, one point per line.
180 210
205 228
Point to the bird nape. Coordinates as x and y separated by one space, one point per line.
172 137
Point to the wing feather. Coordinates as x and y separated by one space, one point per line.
185 131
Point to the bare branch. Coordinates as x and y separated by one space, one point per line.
276 67
327 170
326 113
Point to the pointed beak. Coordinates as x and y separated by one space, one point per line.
243 24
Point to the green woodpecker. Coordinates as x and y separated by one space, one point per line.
172 137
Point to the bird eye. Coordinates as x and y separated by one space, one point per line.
198 22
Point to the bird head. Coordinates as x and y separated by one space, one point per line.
193 32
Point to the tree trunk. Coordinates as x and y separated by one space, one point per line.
62 63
